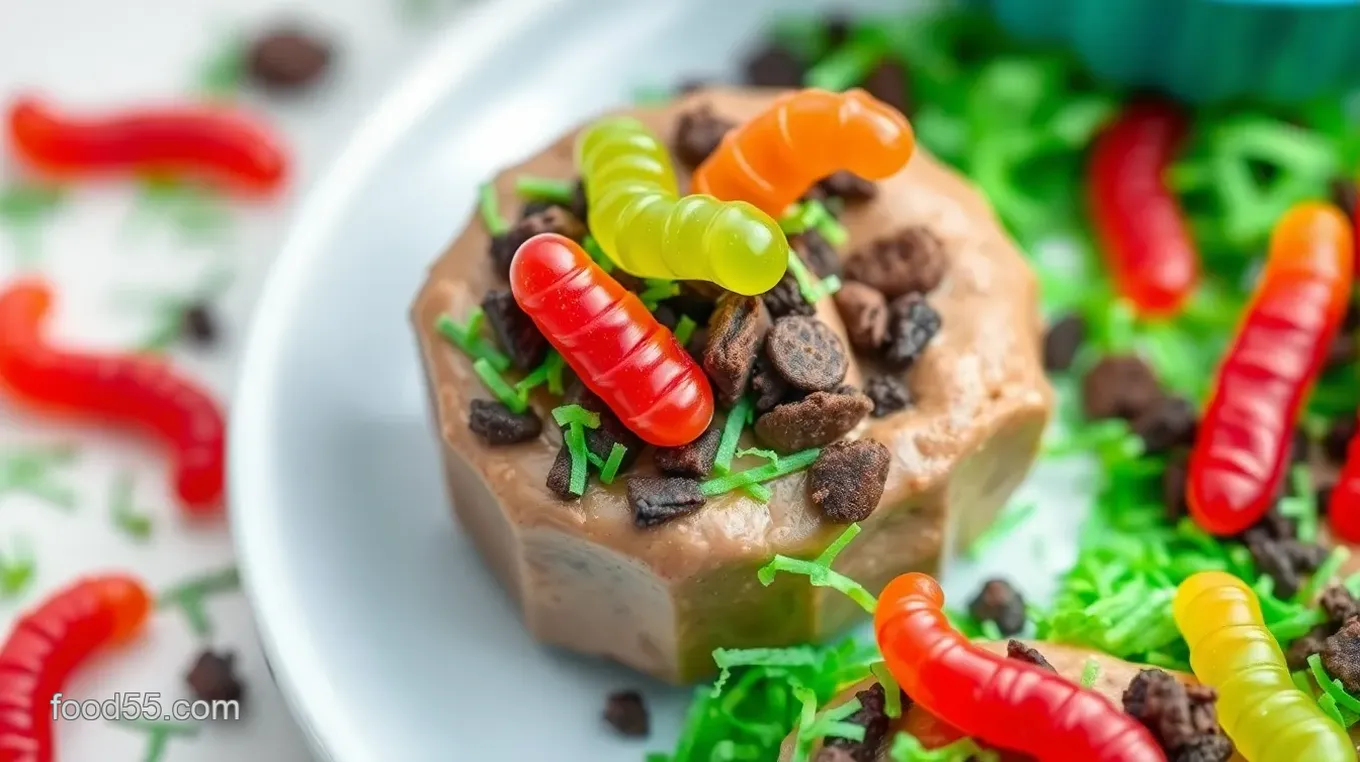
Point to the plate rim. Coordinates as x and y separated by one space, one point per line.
453 53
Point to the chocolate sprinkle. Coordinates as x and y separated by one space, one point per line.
288 60
1000 603
818 419
626 712
694 460
735 334
910 261
213 677
515 331
912 323
807 353
888 393
497 425
659 499
846 480
698 133
864 311
1062 342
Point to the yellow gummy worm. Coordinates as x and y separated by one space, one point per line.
640 222
1267 717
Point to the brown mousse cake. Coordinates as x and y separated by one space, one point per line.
920 381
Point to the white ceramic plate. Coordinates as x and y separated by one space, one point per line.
388 638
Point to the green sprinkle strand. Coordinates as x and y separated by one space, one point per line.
468 337
819 571
657 291
17 569
907 748
577 419
592 247
786 465
808 285
892 692
611 465
126 517
191 595
490 209
32 471
684 330
737 418
1090 672
223 73
849 64
560 192
498 386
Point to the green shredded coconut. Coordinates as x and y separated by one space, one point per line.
34 471
497 385
576 419
560 192
830 722
610 469
222 74
737 418
490 209
592 247
989 630
1090 673
17 568
191 595
1333 690
24 209
808 285
657 291
906 748
468 337
819 573
568 414
684 330
1322 576
548 372
787 465
126 517
892 692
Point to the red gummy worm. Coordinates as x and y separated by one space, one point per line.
1140 225
1343 507
611 341
132 390
1005 702
212 141
1242 444
47 644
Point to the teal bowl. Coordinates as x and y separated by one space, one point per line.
1203 51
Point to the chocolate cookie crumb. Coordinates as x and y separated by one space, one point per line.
1062 342
818 419
1345 195
864 310
1342 351
1339 604
773 66
1119 386
554 219
600 441
698 133
912 323
769 387
213 677
888 82
848 186
1169 422
833 754
817 253
786 298
1312 642
1278 553
1341 655
846 481
515 331
496 424
694 460
910 261
1021 652
559 475
1174 478
872 715
1337 440
658 499
627 713
735 334
888 393
807 353
1182 719
288 60
199 325
1000 603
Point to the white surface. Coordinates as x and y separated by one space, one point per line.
391 640
97 52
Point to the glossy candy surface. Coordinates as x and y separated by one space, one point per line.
1139 223
803 137
615 346
1243 441
645 228
201 141
46 645
1007 703
1267 718
135 391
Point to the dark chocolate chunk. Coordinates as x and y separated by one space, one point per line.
848 186
658 499
872 715
1000 603
1174 478
1273 558
888 82
817 253
1119 386
626 712
697 133
773 66
1021 652
910 261
515 331
888 393
846 481
1339 604
553 219
735 334
200 325
770 388
288 60
1341 655
1062 341
818 419
213 677
1312 642
534 207
1181 718
864 310
1345 195
1169 422
559 475
912 323
1338 438
496 424
807 353
694 460
786 298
